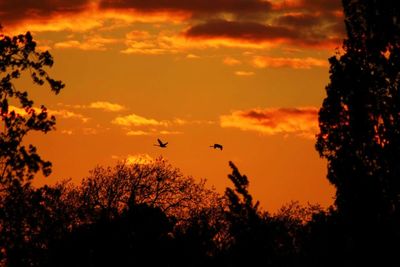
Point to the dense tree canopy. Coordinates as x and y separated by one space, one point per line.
360 133
360 117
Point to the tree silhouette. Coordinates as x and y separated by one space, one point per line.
360 127
27 215
29 220
17 55
157 184
256 238
139 214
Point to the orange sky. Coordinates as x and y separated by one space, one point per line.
249 74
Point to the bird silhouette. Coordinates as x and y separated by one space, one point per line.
161 144
217 146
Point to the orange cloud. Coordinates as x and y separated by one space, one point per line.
152 132
75 16
135 159
194 7
138 133
283 62
102 105
106 106
136 120
270 121
96 43
244 73
139 159
264 34
67 132
192 56
66 114
230 61
63 113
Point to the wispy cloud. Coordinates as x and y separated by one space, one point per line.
265 34
286 62
95 43
139 159
152 132
135 159
66 114
302 121
230 61
136 120
138 133
106 106
67 132
192 56
101 105
165 132
63 113
244 73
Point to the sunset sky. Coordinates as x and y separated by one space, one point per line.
248 74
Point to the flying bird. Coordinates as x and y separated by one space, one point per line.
161 144
217 146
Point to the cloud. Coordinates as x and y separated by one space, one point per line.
283 62
299 20
135 125
139 159
106 106
136 120
192 56
102 105
165 132
152 132
14 11
249 31
95 43
196 24
138 133
301 121
317 5
63 113
67 132
244 73
260 33
230 61
135 159
194 7
66 114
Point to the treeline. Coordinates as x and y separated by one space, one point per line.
151 214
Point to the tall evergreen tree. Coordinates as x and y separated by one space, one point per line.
360 117
360 123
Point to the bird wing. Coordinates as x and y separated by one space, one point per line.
160 142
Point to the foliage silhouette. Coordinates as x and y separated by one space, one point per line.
360 131
26 214
17 55
129 213
256 237
29 219
108 191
